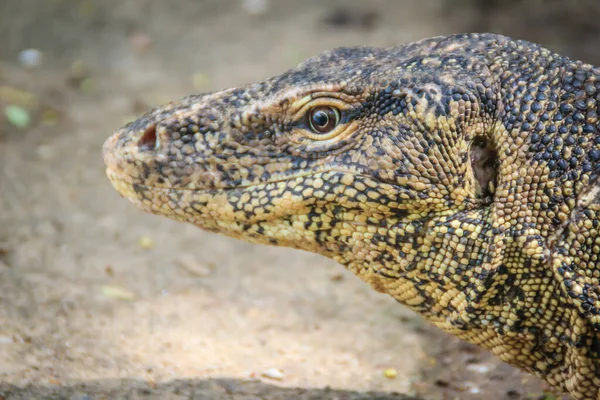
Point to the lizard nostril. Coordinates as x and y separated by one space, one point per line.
149 140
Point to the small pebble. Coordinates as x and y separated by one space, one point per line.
117 292
513 394
53 381
336 276
31 58
146 242
6 340
474 390
441 383
191 265
17 116
273 373
390 373
482 369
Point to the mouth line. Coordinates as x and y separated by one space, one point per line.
117 178
114 175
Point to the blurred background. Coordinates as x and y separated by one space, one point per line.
98 300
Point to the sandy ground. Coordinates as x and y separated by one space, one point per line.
98 300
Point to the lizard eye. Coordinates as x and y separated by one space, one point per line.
323 119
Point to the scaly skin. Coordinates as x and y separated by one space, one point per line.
461 178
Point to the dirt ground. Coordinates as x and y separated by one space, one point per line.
99 300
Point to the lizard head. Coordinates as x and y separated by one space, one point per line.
329 154
385 160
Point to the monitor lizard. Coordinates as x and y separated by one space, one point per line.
458 174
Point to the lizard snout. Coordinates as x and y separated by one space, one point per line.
130 147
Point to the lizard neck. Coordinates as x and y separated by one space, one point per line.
426 263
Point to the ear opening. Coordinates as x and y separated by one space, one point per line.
484 163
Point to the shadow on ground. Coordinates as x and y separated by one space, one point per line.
217 389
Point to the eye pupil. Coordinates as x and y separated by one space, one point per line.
323 119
